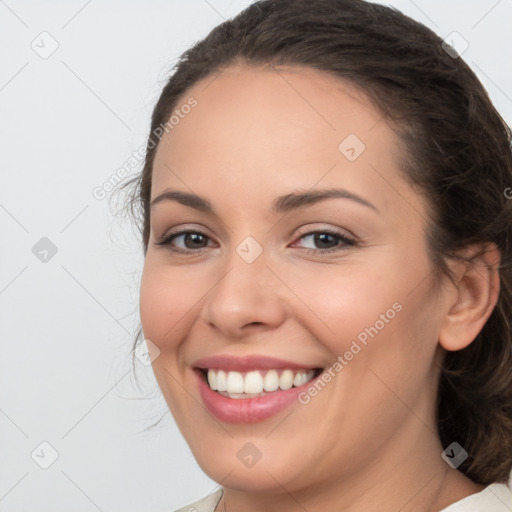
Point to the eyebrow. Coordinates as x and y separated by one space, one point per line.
282 204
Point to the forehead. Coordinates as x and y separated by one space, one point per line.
261 130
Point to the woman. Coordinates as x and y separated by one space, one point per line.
326 289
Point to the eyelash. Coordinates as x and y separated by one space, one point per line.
347 241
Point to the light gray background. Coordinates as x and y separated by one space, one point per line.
67 123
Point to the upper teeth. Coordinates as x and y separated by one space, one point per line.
255 381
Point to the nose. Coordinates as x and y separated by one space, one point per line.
246 299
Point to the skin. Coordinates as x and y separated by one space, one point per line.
367 441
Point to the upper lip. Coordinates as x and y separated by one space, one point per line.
249 362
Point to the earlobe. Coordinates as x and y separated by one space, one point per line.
477 284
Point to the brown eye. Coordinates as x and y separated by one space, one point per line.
325 241
185 240
194 240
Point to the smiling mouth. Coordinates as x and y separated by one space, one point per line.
256 383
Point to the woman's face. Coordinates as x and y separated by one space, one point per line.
312 251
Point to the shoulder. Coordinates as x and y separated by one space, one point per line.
496 497
207 504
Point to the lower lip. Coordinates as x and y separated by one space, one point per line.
247 410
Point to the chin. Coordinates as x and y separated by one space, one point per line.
226 467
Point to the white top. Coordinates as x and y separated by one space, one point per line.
494 498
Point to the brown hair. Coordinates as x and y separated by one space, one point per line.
458 154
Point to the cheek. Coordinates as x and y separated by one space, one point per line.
385 306
337 303
167 299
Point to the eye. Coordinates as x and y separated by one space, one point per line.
322 241
325 241
185 241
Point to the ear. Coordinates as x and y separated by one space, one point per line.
477 287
